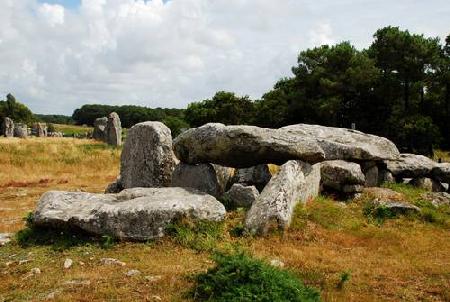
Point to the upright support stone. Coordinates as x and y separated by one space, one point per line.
100 125
8 127
114 130
370 170
296 182
147 158
21 130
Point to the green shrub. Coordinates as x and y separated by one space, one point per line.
238 277
344 278
378 213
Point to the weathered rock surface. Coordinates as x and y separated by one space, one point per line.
39 130
385 176
427 184
20 130
384 194
208 178
441 172
147 158
244 146
296 182
241 196
114 187
337 173
437 199
8 127
410 166
347 144
258 176
397 207
135 214
100 125
371 173
114 130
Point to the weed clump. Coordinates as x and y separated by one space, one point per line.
239 277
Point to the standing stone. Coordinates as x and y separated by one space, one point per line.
370 170
114 130
385 176
241 196
40 129
257 176
208 178
100 125
427 184
296 182
147 158
21 130
8 127
342 177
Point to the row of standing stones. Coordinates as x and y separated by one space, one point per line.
10 129
161 181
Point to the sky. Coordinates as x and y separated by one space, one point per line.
56 55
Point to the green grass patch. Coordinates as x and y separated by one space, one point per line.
411 193
239 277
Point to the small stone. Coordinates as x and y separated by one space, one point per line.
156 298
35 271
68 263
112 261
81 263
277 263
24 261
153 278
5 238
133 272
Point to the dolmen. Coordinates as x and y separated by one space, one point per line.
162 180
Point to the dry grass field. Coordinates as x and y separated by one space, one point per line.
403 259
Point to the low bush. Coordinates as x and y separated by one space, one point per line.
239 277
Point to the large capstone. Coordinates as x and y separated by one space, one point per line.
20 130
147 158
410 166
100 125
208 178
257 176
134 214
114 130
347 144
244 146
7 127
296 182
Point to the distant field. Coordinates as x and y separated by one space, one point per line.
404 259
70 130
444 155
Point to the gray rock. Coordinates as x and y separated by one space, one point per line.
336 173
437 199
441 172
55 134
244 146
296 182
242 196
397 207
208 178
133 272
40 130
68 263
410 166
370 170
136 214
20 130
352 188
385 176
147 158
114 187
347 144
257 176
5 238
114 130
100 125
427 184
112 261
8 127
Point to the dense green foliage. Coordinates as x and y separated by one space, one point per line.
238 277
15 110
55 119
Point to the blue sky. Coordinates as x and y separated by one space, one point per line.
65 3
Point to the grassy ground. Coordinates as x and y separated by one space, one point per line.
331 246
70 130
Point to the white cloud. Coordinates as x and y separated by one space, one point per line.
169 53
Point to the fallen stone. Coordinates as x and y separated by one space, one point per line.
114 130
427 184
112 261
347 144
208 178
441 172
68 263
397 207
134 214
296 182
410 166
7 127
437 199
258 176
147 158
100 125
244 146
241 196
